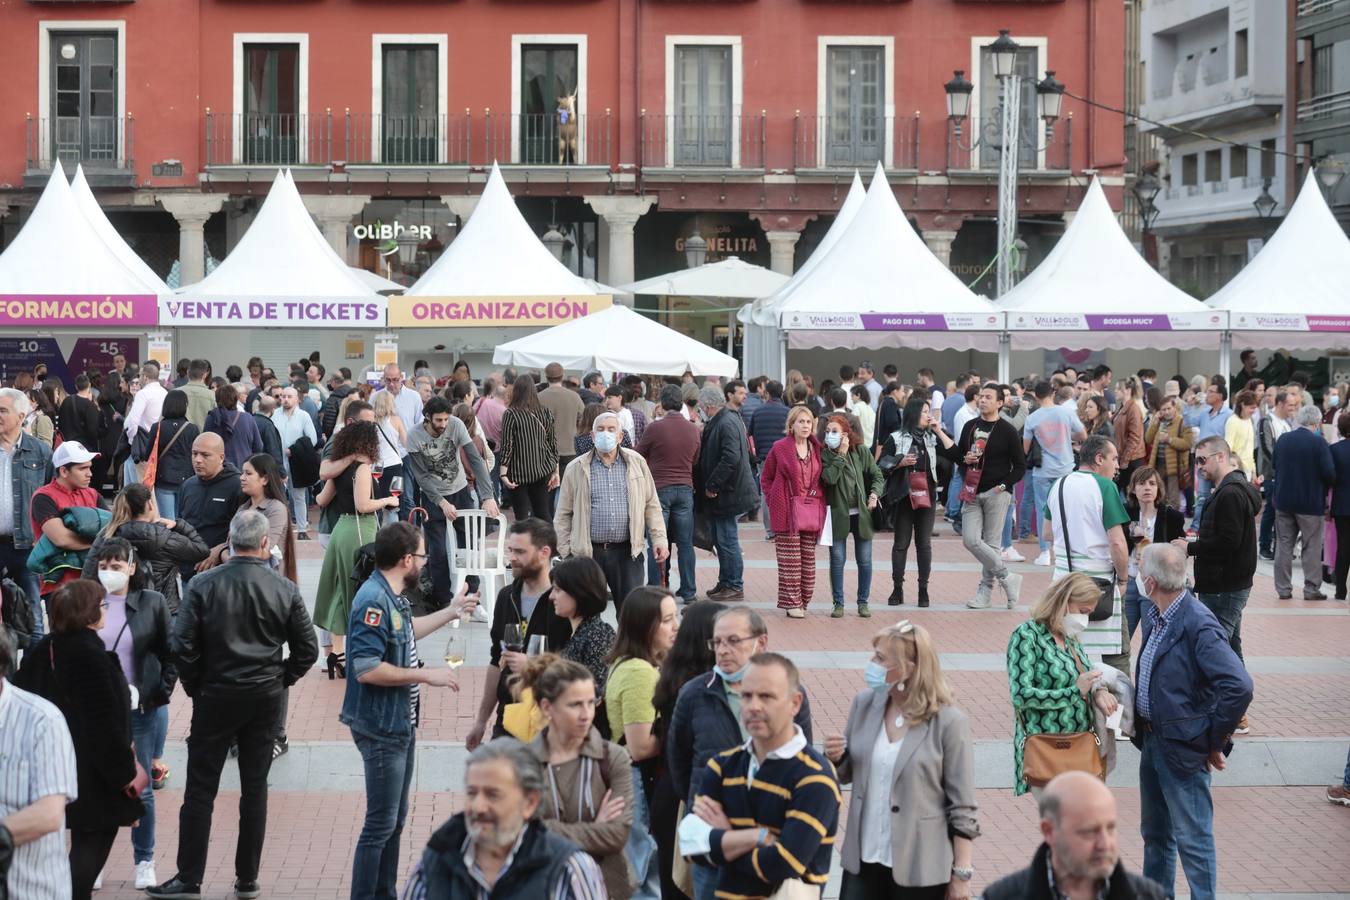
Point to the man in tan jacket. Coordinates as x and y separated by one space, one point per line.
607 508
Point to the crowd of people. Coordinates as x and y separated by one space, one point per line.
149 530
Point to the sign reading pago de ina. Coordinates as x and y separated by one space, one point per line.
471 312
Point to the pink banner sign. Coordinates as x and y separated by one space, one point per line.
78 310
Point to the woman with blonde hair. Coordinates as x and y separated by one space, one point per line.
589 799
393 446
904 738
795 496
1129 430
1049 675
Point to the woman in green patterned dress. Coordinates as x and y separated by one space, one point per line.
1049 695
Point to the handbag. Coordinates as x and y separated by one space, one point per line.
1106 602
919 495
808 507
796 889
151 473
681 872
1046 755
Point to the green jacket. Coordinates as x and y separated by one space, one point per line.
849 479
49 561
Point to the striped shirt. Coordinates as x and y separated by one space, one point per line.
415 689
580 879
528 451
37 759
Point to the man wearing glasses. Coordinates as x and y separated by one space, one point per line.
407 402
707 716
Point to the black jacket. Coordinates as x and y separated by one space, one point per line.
1169 525
166 550
228 636
505 612
79 421
1032 883
175 453
724 464
1225 548
328 413
209 505
86 683
271 439
535 869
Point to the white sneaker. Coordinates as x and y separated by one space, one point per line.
1010 554
1044 558
1012 588
145 874
98 882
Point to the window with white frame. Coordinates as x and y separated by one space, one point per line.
855 105
703 126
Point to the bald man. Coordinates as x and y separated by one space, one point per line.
208 500
1079 858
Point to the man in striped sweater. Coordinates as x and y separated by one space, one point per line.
768 811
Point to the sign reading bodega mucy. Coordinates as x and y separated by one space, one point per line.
272 312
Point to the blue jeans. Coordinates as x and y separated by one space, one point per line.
954 497
727 543
14 563
143 726
299 507
862 552
641 848
1227 608
1027 513
1176 813
1203 487
677 506
705 881
1266 537
1041 491
1134 605
389 770
161 731
1346 779
1007 528
167 501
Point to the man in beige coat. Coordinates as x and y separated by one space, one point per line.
607 508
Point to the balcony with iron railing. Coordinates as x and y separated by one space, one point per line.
103 145
848 141
1324 109
703 142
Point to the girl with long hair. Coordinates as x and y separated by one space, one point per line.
853 487
393 441
165 545
916 445
528 460
175 435
1129 430
260 480
580 595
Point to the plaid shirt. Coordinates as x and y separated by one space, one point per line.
1159 623
609 500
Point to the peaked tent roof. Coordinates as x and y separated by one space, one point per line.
1094 279
376 282
761 312
616 339
497 254
1302 272
59 251
282 254
730 277
88 204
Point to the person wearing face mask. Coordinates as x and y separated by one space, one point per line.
904 738
383 700
707 715
164 545
1049 674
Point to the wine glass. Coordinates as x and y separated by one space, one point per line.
454 649
396 486
376 470
513 638
538 644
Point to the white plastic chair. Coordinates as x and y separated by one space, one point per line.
483 555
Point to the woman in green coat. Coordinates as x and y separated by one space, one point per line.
1049 674
852 485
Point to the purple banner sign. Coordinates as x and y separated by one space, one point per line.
1329 323
1128 322
78 310
904 322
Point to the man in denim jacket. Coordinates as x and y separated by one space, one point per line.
25 466
382 702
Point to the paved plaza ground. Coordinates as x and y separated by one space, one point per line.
1276 834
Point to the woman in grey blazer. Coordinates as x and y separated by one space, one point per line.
907 752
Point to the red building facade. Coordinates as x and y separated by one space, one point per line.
743 121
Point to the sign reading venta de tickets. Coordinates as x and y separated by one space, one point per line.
76 310
469 312
271 312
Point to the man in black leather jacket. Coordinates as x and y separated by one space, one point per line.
1080 856
227 642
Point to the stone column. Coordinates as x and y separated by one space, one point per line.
940 242
335 212
462 205
782 250
191 211
620 214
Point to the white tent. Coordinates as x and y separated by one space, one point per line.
88 204
1296 292
732 278
1095 281
880 286
282 273
497 254
376 282
60 252
760 318
616 340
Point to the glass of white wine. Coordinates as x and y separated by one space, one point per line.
454 648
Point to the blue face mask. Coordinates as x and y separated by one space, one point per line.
606 441
734 677
832 439
875 676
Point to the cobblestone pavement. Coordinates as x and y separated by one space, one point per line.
1277 835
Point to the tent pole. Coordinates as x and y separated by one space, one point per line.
1004 357
1226 356
782 358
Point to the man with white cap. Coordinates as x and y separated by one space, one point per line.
73 465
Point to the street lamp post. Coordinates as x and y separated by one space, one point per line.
1146 189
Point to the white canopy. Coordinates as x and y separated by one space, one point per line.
615 340
282 273
60 251
497 254
731 278
1095 281
1296 292
376 282
88 204
880 286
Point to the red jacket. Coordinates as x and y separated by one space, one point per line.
781 479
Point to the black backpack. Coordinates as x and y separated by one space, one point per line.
16 613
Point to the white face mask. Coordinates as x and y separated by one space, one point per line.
1139 585
113 581
1075 624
